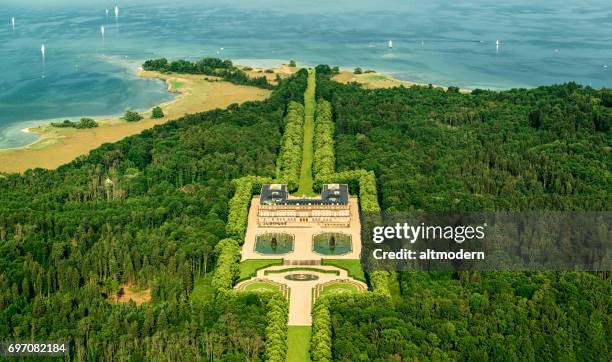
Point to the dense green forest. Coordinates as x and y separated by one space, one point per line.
224 69
434 150
471 317
547 148
146 211
149 211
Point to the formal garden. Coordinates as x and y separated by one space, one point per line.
335 287
263 286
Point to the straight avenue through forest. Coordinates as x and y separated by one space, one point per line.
306 178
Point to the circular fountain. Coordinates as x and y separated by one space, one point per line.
301 277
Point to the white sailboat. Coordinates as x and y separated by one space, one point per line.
391 44
42 53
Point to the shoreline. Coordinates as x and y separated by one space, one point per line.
46 129
376 79
56 146
194 93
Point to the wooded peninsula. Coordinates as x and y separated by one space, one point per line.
152 214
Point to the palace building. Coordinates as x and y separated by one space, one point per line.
277 208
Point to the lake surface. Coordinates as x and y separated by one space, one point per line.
441 42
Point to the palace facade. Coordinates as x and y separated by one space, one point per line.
277 208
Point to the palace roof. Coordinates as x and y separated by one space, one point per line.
331 194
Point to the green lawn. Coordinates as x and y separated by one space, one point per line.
338 288
248 268
298 344
353 266
306 180
375 77
202 290
261 287
176 84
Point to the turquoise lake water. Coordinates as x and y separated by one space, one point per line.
442 42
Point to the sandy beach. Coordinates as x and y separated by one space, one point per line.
380 80
196 93
57 146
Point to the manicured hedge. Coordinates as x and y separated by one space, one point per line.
379 280
227 266
276 331
238 214
290 157
324 163
368 196
321 340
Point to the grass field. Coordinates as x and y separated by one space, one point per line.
379 80
373 77
261 287
248 268
202 290
298 344
175 84
306 180
338 288
353 266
